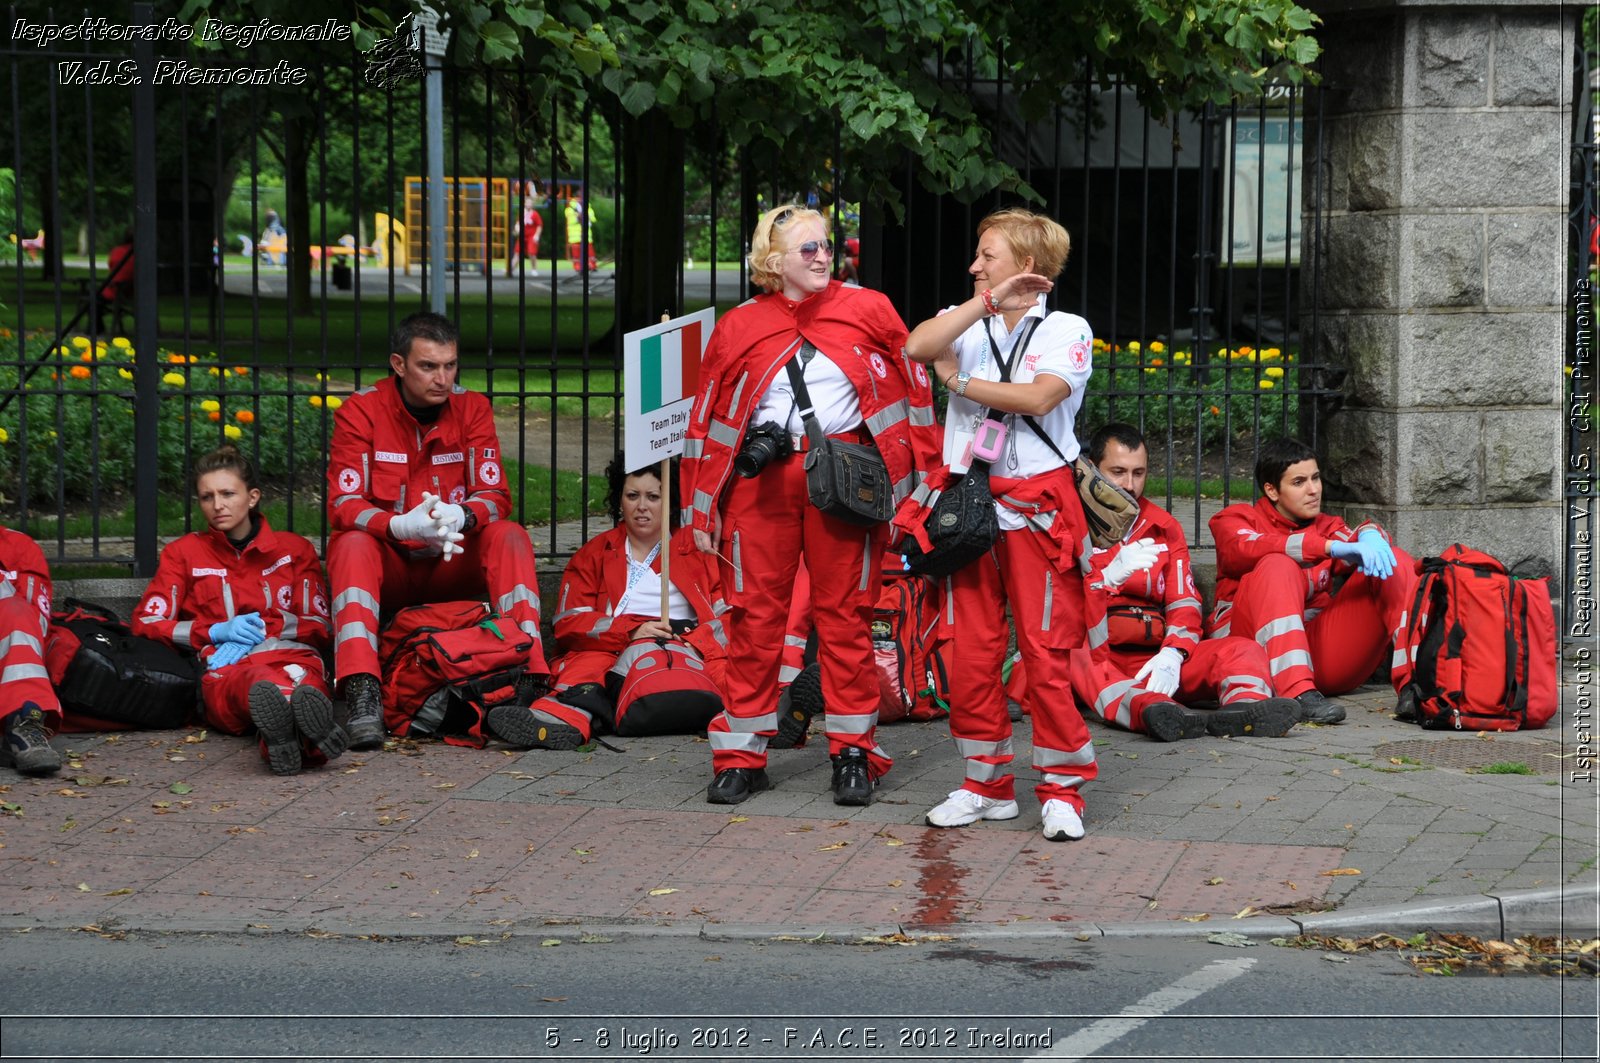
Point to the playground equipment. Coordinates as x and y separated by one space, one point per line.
475 222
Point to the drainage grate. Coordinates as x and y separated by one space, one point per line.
1543 757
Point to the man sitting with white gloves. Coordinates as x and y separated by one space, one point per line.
1153 663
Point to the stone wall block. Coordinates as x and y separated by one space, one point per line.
1438 457
1451 63
1373 165
1364 345
1360 446
1523 74
1521 455
1526 253
1484 159
1442 258
1495 359
1525 539
1358 256
1361 61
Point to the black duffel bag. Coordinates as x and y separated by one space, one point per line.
961 525
101 669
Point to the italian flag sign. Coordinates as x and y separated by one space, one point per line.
660 374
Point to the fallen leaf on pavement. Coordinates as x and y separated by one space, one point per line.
663 891
198 736
829 848
1230 939
738 819
181 788
83 887
1214 881
123 892
549 943
1202 917
1341 871
472 855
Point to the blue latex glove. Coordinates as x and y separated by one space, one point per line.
225 654
247 629
1377 556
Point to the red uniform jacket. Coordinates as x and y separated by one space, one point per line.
597 577
23 572
1246 533
1167 587
203 580
381 459
855 327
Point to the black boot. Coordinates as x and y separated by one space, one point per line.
1167 721
1314 708
733 785
796 708
364 697
1270 718
852 782
26 742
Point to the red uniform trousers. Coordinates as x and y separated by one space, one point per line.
1223 670
767 525
1336 649
1050 611
797 632
23 675
591 666
225 693
368 574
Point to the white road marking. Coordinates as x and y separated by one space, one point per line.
1097 1035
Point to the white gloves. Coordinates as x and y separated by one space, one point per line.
1160 673
435 523
418 523
1137 556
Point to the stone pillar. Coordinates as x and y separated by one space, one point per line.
1444 183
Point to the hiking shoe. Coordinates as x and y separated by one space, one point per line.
852 782
530 688
1270 718
364 725
963 807
313 718
1167 721
274 720
804 702
1060 821
1314 708
733 785
26 746
532 728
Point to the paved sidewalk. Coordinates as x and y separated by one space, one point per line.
1372 824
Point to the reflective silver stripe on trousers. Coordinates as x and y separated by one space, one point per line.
1098 634
787 672
888 417
291 625
693 448
1238 683
519 593
738 568
1111 695
983 771
24 671
722 432
1045 757
794 641
1284 661
529 628
1281 626
357 596
1049 599
973 747
269 645
1295 546
836 724
356 630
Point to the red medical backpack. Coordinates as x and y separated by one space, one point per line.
444 664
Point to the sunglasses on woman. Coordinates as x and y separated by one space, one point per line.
812 248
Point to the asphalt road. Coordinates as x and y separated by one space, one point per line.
78 995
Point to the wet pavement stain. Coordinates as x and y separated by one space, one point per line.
1026 964
939 880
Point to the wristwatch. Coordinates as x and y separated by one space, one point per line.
962 380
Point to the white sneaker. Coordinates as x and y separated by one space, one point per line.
1061 821
963 807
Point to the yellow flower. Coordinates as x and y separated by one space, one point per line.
1274 371
1180 356
81 342
210 404
334 402
214 371
1271 354
99 349
121 341
62 351
125 374
1156 346
177 380
319 377
1151 372
1569 370
5 437
232 431
1266 384
1133 345
315 400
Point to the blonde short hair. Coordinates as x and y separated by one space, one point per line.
1031 236
766 253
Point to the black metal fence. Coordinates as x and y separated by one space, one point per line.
1185 259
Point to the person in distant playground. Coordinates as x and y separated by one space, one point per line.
1154 663
1280 563
251 602
29 709
420 512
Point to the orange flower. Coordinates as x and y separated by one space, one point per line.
241 370
244 417
1215 411
177 359
86 356
214 415
1156 361
80 372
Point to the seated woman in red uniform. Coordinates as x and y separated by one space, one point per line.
252 602
611 596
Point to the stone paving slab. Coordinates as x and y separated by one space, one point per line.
185 830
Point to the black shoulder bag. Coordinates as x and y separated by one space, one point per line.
847 481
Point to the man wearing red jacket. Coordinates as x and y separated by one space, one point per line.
1153 663
1280 563
420 512
29 709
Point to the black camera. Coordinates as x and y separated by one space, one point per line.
762 443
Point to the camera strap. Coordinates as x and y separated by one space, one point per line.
797 380
1004 364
